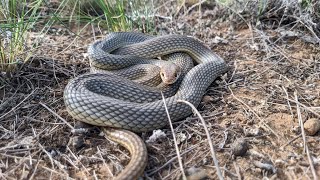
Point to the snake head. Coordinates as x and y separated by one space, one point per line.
169 73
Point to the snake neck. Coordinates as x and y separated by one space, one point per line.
199 79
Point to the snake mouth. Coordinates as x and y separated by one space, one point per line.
170 73
168 80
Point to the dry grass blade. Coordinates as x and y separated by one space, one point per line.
170 161
57 115
261 120
289 142
18 104
305 107
195 5
174 139
208 136
306 149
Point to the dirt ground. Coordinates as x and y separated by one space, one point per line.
272 81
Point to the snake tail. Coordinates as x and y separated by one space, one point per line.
137 148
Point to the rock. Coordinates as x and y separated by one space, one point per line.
207 99
77 142
312 126
239 147
199 173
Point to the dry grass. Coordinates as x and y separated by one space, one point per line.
272 84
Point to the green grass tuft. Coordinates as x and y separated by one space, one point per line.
113 16
17 17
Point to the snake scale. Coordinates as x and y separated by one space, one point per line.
112 101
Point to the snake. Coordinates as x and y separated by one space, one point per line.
123 107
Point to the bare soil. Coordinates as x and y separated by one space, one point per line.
271 81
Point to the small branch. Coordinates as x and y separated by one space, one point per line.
208 136
295 138
261 120
18 104
57 115
195 5
304 106
174 139
300 122
170 161
305 146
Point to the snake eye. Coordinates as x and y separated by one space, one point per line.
162 74
175 75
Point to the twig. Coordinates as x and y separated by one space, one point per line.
48 154
314 174
208 136
295 138
195 5
168 162
104 162
57 115
308 27
236 167
287 95
208 116
19 104
305 107
34 170
174 139
300 122
261 120
56 172
305 146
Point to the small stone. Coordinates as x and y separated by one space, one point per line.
194 173
312 126
239 147
252 132
207 99
77 142
280 163
157 134
265 166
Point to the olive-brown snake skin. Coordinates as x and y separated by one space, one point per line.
113 101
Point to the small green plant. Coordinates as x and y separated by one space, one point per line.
224 2
142 15
306 3
119 15
17 17
262 6
114 15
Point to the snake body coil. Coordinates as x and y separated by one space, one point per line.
113 101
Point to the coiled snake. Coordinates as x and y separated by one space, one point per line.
112 101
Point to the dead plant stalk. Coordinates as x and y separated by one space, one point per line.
214 157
